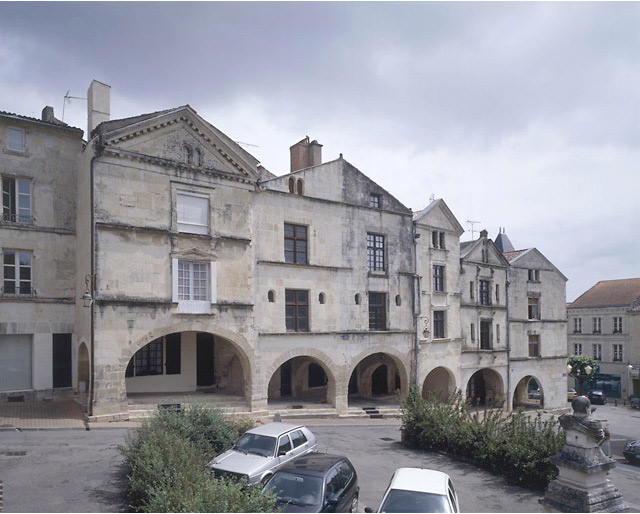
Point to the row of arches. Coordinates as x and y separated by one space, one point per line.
187 362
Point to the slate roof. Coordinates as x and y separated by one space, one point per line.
610 293
60 124
512 255
503 243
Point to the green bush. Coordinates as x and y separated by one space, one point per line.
515 445
168 456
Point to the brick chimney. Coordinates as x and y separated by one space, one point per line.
305 154
98 105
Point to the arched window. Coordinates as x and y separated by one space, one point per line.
321 298
271 296
357 298
187 155
197 157
398 300
300 187
292 184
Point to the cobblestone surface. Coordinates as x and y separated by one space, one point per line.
59 413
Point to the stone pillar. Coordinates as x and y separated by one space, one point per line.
341 398
582 484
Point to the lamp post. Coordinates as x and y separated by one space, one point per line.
579 375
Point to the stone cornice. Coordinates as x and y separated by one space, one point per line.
171 164
36 228
303 266
35 299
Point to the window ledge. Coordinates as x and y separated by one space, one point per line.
379 274
194 307
24 153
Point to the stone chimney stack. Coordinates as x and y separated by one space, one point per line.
47 115
98 105
305 154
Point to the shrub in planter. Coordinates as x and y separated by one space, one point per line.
168 458
514 444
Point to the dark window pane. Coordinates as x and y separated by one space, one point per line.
303 297
288 230
9 287
9 258
290 295
10 272
173 348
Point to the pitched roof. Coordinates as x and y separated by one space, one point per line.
609 293
108 126
59 124
512 255
439 202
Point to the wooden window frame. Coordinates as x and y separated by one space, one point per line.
298 304
534 345
291 256
533 301
376 259
485 292
375 201
377 311
439 324
438 278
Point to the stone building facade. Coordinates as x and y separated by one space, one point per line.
198 271
38 170
604 323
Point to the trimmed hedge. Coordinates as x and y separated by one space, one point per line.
515 445
168 457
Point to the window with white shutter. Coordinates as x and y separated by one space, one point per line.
193 213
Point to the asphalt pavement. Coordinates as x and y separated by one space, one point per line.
73 470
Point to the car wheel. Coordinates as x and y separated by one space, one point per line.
354 504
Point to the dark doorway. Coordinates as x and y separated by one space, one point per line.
205 356
61 360
379 384
285 379
477 389
353 382
398 384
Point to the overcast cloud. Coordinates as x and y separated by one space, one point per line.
522 115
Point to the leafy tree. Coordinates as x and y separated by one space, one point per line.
579 364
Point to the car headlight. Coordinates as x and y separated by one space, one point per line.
627 446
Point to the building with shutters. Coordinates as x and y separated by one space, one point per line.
38 169
201 276
604 323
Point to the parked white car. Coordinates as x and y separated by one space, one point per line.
262 450
419 490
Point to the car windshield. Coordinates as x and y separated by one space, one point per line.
301 490
413 501
256 444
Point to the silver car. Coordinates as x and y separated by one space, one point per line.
262 450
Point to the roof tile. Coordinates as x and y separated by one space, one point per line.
608 293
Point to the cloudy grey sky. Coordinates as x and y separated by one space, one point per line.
522 115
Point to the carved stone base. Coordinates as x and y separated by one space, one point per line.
561 497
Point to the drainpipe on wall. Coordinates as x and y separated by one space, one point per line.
506 292
99 148
417 305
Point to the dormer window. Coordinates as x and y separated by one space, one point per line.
375 201
300 187
15 140
187 154
437 239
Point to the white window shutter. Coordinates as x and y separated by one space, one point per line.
214 283
174 280
193 213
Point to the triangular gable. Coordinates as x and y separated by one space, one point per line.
473 249
438 206
225 150
530 256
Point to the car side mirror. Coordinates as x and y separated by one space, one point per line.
281 453
368 509
332 501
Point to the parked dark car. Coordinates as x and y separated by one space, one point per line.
631 452
317 482
597 397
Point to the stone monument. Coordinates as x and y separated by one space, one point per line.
582 484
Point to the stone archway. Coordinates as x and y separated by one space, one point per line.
377 375
485 388
300 379
439 384
528 393
84 369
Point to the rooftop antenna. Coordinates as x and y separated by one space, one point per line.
246 144
68 98
432 198
472 223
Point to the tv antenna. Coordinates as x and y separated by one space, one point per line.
246 144
68 98
432 198
472 223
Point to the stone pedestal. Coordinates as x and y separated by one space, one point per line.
582 484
